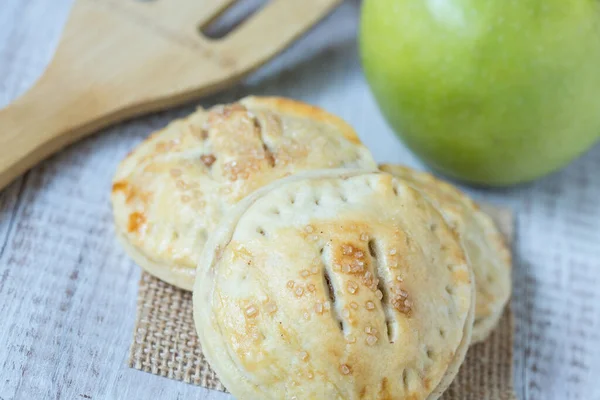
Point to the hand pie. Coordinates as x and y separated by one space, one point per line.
484 245
334 284
174 188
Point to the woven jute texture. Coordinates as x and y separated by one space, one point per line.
165 341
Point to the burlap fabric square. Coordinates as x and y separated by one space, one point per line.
165 341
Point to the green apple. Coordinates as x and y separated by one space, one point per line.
491 92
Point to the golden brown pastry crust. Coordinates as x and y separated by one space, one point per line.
334 284
483 242
172 190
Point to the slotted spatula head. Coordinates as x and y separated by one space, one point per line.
122 58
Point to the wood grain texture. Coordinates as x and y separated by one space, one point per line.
68 292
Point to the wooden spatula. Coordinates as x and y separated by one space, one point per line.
122 58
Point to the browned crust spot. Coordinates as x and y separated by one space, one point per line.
350 259
427 383
384 391
208 160
130 192
119 186
136 221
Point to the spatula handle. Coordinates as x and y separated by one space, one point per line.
46 118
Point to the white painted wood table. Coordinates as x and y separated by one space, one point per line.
68 292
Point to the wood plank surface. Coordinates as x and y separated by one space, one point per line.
68 292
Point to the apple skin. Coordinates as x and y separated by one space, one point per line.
492 92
